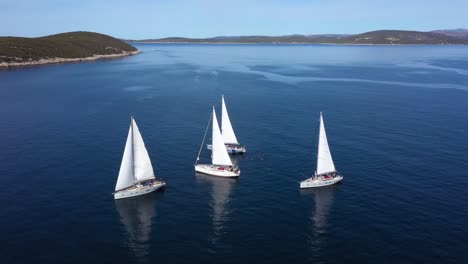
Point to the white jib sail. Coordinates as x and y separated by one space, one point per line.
126 177
219 155
324 158
141 161
226 127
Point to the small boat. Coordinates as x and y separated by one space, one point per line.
136 175
221 164
326 173
229 137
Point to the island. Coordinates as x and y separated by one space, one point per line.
379 37
60 48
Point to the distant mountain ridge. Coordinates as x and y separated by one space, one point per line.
388 37
457 33
64 47
401 37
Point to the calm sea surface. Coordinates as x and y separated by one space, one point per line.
397 123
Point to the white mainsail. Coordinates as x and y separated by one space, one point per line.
136 164
219 155
324 158
226 127
141 161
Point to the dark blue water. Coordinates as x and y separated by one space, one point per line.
397 123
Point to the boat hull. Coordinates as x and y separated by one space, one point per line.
214 170
137 191
237 149
315 182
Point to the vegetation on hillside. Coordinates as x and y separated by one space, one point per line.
66 45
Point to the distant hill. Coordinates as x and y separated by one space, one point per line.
247 39
456 33
374 37
72 46
400 37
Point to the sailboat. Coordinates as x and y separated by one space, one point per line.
326 173
229 137
136 175
221 165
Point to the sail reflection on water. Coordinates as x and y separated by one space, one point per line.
323 201
136 215
220 198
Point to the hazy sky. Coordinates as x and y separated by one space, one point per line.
205 18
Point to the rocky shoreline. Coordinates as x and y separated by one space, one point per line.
65 60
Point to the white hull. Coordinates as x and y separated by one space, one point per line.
138 190
216 170
315 182
239 149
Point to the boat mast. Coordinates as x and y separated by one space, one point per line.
203 141
133 150
318 144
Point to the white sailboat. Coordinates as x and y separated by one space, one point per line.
136 175
326 173
221 165
229 137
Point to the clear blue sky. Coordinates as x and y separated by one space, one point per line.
205 18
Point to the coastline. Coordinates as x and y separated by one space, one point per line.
293 43
4 65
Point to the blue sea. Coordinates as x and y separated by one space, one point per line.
397 125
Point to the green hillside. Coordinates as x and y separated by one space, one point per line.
66 45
